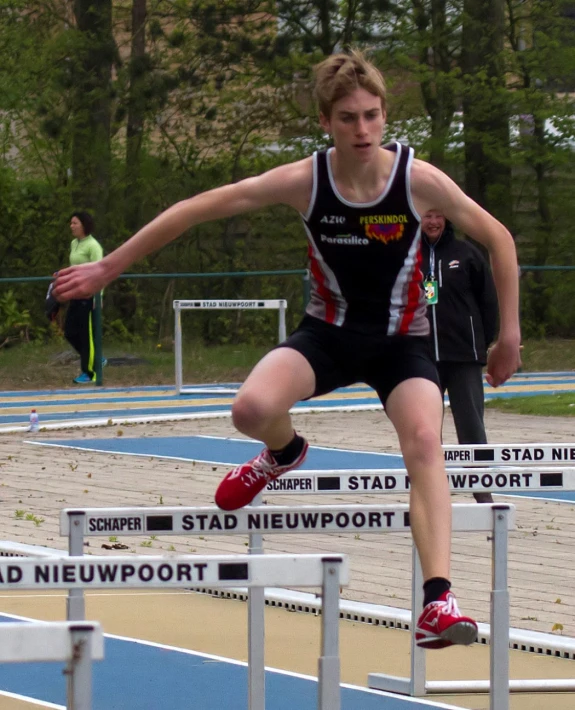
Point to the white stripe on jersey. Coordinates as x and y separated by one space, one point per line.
318 308
400 293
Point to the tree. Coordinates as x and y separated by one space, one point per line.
541 38
438 25
135 121
35 100
92 111
485 107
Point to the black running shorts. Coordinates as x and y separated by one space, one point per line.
341 357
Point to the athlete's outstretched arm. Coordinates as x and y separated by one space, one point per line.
432 189
288 184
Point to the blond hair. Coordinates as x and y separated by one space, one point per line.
341 74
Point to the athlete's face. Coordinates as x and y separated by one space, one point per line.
433 224
356 124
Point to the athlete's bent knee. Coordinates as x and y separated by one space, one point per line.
251 413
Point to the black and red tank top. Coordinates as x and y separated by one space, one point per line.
365 257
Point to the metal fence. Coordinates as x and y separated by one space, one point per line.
139 306
144 311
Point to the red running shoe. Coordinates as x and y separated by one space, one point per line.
244 482
441 625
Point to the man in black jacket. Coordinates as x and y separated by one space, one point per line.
462 311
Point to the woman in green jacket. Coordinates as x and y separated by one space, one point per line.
84 249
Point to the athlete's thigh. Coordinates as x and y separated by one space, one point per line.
333 354
397 360
415 406
283 377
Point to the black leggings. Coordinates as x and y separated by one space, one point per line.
78 332
464 385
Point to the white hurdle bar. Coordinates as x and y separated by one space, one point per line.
471 479
219 304
75 643
325 571
256 521
20 549
509 454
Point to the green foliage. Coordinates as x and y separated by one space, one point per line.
548 304
220 90
14 321
116 330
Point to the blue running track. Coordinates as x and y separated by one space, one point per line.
138 675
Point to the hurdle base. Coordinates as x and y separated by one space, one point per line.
389 683
190 389
402 686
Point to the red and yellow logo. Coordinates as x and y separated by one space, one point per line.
384 228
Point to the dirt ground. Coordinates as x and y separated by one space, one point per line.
37 482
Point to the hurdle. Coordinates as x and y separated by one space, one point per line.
520 468
20 549
220 571
509 454
469 479
259 520
234 304
76 644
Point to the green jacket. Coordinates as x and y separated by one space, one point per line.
84 251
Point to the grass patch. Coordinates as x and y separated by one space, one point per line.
54 366
549 355
555 405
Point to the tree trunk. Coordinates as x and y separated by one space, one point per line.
135 122
437 84
92 114
486 117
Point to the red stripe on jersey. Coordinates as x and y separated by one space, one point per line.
413 295
322 290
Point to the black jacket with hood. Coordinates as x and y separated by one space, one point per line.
464 320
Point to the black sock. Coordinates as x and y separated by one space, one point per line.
434 588
290 452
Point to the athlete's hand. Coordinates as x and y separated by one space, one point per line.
503 361
80 281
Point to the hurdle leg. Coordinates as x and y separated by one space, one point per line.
499 648
79 669
329 697
75 606
178 348
282 322
415 684
256 631
418 671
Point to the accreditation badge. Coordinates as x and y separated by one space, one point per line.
431 292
